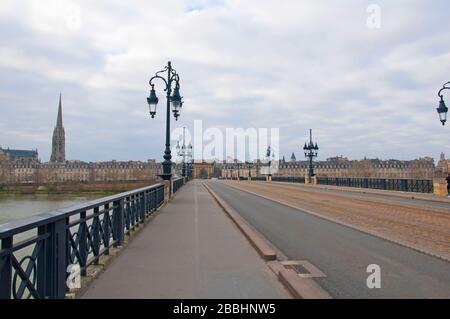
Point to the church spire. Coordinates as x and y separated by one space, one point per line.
59 119
59 138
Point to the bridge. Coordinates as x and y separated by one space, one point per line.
233 239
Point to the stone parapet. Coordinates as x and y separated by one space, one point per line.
440 186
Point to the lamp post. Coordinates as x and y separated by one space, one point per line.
270 155
443 109
184 152
171 82
191 160
311 151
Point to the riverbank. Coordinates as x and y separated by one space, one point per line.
101 188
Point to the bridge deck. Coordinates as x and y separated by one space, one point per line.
190 250
342 253
424 225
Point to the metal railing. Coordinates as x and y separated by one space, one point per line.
259 178
177 183
289 179
402 185
35 252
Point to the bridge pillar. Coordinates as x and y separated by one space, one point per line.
440 186
167 190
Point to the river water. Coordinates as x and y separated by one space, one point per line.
17 206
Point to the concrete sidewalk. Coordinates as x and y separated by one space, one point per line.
190 250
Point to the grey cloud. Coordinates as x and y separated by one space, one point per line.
293 65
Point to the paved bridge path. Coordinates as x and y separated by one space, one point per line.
190 250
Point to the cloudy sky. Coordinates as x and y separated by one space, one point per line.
291 64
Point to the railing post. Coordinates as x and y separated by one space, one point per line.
136 212
59 256
150 201
404 185
106 230
118 222
6 268
96 235
43 270
142 206
82 244
52 260
153 199
147 202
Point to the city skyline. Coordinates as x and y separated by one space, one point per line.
58 150
366 91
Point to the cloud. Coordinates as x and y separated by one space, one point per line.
293 65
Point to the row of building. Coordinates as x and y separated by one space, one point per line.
17 166
24 166
423 168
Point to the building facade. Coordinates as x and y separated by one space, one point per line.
24 166
422 168
443 166
78 172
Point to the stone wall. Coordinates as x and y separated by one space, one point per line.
44 173
67 187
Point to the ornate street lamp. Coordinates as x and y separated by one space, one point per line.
190 156
443 109
311 151
184 152
270 156
172 82
249 166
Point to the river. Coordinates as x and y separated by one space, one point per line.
15 206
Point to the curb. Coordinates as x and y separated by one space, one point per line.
369 232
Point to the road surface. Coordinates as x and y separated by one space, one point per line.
341 252
425 228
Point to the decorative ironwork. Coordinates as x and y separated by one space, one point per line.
289 179
311 152
177 183
402 185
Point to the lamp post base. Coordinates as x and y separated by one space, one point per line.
166 177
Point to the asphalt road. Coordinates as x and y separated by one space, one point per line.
342 253
370 196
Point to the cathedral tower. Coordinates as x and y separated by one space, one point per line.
59 139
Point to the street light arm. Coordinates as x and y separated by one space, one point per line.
175 78
158 77
443 88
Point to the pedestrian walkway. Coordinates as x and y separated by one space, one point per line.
190 250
